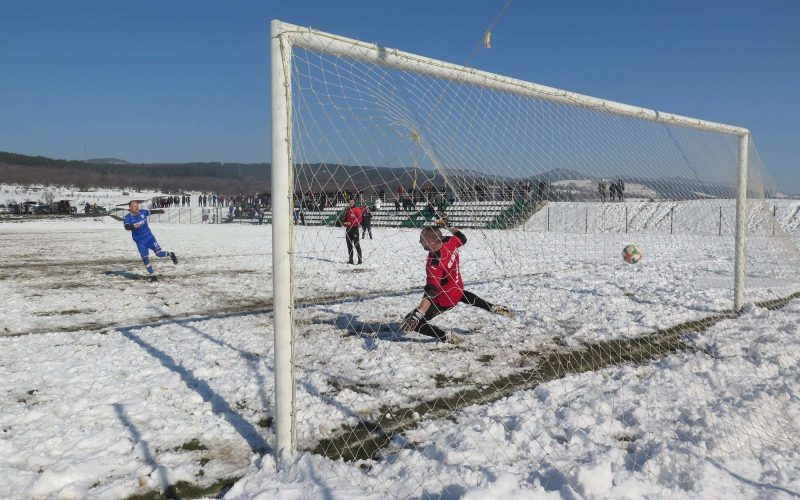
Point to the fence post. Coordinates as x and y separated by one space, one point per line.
671 215
774 211
720 221
548 218
626 219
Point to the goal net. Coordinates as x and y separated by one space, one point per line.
605 368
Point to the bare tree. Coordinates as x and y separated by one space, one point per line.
48 196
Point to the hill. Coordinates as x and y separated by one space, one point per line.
107 161
234 178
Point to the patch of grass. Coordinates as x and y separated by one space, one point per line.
193 445
485 358
185 489
448 381
338 385
265 422
778 303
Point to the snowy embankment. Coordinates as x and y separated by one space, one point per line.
13 193
114 386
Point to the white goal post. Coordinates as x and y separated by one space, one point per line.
286 36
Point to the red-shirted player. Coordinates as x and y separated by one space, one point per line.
444 288
352 219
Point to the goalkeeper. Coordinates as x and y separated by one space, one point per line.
444 288
136 223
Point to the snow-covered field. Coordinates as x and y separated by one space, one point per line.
113 386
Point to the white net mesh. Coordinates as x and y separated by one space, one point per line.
633 367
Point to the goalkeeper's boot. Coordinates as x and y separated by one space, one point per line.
153 278
502 311
173 257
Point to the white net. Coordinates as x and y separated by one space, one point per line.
641 370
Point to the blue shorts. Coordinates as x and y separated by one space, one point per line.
148 244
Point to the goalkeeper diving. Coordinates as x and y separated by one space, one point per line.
444 288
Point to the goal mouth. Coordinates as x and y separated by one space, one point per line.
546 187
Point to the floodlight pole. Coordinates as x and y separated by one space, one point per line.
282 257
740 258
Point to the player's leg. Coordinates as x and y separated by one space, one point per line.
348 237
473 300
357 244
153 244
425 328
144 250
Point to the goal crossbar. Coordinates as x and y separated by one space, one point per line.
328 43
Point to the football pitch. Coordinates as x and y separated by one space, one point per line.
115 386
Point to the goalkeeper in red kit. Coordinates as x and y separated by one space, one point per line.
352 219
444 288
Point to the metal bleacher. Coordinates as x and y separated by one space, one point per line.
499 214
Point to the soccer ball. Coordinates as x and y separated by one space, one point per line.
631 254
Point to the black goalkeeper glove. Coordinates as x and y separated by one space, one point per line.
411 321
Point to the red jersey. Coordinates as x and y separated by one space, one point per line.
353 217
444 275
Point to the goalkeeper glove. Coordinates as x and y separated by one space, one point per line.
411 321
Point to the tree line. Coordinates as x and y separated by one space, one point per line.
199 176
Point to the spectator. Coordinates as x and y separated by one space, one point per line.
366 223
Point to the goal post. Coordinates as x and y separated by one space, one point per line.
740 263
286 37
282 234
603 247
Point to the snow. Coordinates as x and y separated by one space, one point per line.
14 193
111 386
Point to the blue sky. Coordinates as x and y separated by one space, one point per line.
175 81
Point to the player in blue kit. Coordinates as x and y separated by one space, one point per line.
136 223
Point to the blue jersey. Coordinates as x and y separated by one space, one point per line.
142 233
